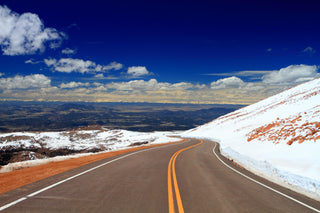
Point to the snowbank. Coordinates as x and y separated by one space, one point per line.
278 137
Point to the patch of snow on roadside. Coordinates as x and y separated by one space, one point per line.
37 162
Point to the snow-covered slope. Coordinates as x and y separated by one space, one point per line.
77 140
36 148
278 137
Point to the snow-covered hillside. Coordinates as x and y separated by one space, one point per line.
278 137
103 139
26 146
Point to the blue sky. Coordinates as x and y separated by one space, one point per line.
156 51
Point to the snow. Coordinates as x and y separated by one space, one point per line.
82 140
278 138
104 139
37 162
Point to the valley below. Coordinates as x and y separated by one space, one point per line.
144 117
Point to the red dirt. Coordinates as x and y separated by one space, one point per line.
238 165
15 179
288 129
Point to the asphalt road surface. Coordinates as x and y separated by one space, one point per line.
183 177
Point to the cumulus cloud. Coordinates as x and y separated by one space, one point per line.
134 85
137 71
50 61
231 90
25 82
250 87
113 65
25 34
1 74
69 65
270 82
68 51
291 74
153 85
74 85
231 82
99 75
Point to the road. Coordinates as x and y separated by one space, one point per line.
183 177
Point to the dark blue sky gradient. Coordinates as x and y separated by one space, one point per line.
177 40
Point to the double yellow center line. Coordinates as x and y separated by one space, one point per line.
172 177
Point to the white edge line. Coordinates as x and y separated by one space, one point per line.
12 203
77 175
268 187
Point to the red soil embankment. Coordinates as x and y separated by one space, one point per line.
15 179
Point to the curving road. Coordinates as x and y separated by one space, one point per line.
183 177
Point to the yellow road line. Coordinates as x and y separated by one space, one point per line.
175 183
171 168
170 193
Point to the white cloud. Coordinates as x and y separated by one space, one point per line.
1 74
269 50
232 90
68 51
256 86
135 85
137 71
113 65
153 85
99 75
49 62
231 82
69 65
31 61
73 84
25 82
270 82
25 34
309 50
291 74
